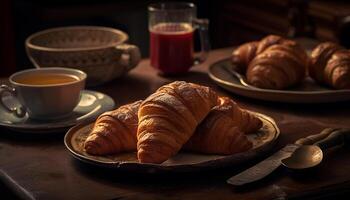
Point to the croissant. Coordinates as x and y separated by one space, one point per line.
245 53
169 117
114 131
223 130
271 40
242 56
319 58
278 67
337 71
328 66
107 128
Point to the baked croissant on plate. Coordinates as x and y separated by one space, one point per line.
223 130
114 131
278 67
337 71
169 117
245 53
319 58
242 56
329 64
271 40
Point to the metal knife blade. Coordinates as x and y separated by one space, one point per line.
263 168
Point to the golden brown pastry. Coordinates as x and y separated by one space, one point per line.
245 53
319 58
169 117
242 56
337 71
278 67
271 40
329 64
114 131
223 130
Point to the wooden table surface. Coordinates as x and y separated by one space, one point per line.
39 167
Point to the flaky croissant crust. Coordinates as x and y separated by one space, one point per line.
168 118
278 67
271 40
245 53
337 71
114 131
287 53
242 56
319 59
223 130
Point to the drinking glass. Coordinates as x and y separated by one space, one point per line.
171 27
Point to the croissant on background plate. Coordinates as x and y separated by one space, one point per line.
114 131
271 40
330 65
278 67
242 56
245 53
223 130
272 63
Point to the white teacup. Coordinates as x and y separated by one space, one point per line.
45 93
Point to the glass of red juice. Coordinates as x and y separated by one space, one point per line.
172 27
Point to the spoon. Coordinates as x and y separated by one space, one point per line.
308 156
304 157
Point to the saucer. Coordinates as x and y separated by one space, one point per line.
91 105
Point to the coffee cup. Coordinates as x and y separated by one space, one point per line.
45 93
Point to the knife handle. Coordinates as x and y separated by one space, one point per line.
336 138
311 139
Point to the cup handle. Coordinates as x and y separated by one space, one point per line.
18 111
202 26
36 65
131 55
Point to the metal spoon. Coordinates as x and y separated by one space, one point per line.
304 157
308 156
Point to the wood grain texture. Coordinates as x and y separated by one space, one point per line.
43 167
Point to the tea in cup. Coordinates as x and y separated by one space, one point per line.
45 93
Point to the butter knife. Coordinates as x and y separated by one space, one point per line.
271 163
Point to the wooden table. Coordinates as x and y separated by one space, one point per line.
39 167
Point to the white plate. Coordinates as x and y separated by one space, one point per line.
306 92
91 105
263 140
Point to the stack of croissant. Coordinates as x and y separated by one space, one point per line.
178 116
278 63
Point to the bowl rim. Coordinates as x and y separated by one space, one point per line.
29 44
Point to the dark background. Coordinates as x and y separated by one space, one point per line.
231 22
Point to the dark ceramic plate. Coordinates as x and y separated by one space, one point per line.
262 140
306 92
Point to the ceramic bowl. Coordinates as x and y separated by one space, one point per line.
101 52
